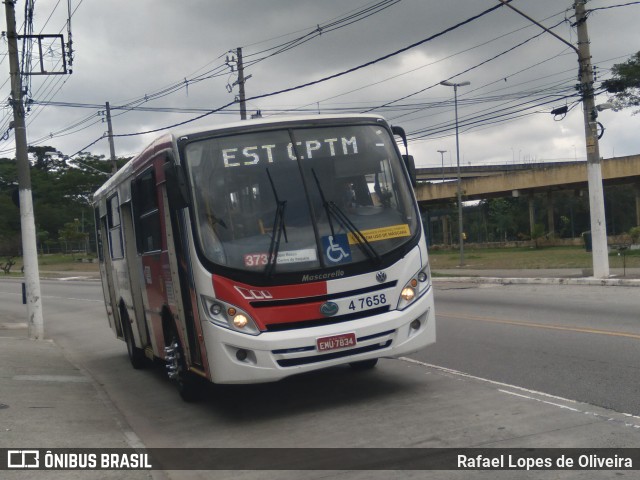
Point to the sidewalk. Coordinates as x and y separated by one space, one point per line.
46 402
559 276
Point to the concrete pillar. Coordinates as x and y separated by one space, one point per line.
445 229
532 213
637 190
550 217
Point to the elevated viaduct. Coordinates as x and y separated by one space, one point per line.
436 185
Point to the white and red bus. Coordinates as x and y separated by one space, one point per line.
253 251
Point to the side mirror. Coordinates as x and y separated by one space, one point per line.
399 131
176 183
410 163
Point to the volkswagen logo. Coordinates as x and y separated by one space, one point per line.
381 277
329 309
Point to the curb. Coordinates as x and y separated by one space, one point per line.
589 281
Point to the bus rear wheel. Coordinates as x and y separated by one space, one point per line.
136 355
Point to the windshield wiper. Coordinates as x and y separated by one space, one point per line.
216 221
278 229
336 212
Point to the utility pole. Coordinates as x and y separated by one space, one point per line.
600 254
594 170
241 80
112 148
27 223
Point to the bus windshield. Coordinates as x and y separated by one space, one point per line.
299 199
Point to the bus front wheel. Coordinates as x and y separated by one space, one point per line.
189 386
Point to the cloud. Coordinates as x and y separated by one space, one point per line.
125 50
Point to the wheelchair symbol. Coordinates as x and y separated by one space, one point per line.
335 252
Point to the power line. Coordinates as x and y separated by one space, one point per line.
497 118
324 79
430 63
466 70
612 6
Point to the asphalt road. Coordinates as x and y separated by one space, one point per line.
401 403
576 342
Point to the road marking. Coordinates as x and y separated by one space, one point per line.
564 328
53 378
13 326
57 297
486 380
528 397
524 391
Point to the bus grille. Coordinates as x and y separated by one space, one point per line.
279 327
294 362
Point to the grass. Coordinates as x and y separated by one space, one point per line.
475 258
59 262
526 258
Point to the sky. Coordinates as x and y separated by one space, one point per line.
160 63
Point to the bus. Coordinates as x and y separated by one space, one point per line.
250 252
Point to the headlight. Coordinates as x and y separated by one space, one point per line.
228 316
408 294
415 288
240 321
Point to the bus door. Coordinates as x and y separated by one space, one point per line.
133 269
179 254
106 269
149 273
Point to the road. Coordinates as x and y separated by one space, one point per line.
576 342
402 403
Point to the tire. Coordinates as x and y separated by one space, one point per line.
136 355
364 364
189 385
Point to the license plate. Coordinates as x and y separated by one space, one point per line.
336 342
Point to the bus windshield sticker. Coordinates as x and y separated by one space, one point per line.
292 256
336 248
384 233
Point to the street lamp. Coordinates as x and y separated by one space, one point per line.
442 152
455 103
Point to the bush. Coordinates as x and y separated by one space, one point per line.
635 234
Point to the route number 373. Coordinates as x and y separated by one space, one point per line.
368 302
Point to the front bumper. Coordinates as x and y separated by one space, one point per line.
272 356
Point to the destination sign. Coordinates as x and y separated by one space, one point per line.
257 154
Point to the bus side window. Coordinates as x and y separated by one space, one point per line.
116 247
146 213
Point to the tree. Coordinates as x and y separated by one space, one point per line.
62 189
9 213
503 217
72 236
45 158
625 83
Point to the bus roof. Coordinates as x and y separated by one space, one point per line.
257 122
